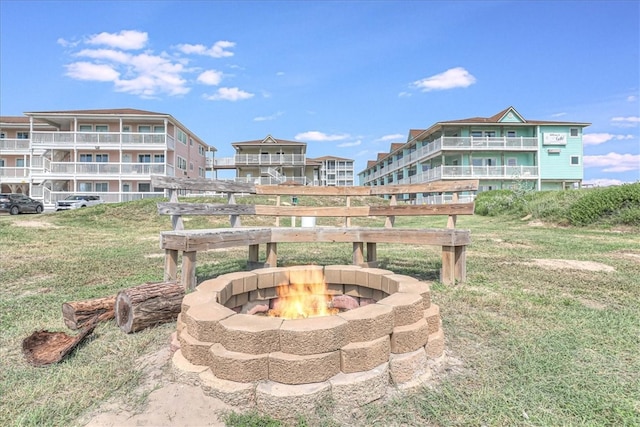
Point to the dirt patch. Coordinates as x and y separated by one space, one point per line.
168 403
566 264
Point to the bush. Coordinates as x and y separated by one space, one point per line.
619 204
499 202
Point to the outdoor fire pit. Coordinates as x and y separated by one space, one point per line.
252 339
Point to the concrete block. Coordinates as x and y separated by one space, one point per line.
238 367
352 290
359 388
374 277
197 298
294 369
185 371
435 344
244 333
272 277
417 287
432 314
408 338
197 352
363 356
407 308
290 401
406 367
312 335
368 323
232 393
202 320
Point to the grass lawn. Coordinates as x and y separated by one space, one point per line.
534 343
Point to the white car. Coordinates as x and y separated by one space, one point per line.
76 201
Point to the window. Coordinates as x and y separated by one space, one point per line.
575 160
201 172
85 128
86 158
191 166
126 128
19 163
22 135
2 135
102 186
182 163
182 137
102 158
102 128
476 134
201 150
85 187
512 161
490 133
511 134
190 141
574 132
158 158
144 158
144 129
158 129
144 187
1 163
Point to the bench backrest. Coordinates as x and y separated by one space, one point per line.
176 209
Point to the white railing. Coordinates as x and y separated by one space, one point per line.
221 161
84 168
470 172
270 159
49 197
14 172
267 180
55 139
10 144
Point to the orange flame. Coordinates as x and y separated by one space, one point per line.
306 296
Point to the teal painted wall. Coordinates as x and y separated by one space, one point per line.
557 165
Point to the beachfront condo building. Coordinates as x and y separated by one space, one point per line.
504 151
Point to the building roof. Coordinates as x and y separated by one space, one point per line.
268 140
320 159
106 111
14 119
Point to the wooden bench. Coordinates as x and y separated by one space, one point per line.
364 239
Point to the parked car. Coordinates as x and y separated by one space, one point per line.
16 203
76 201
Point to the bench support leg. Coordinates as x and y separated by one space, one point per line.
254 252
189 270
454 265
372 255
358 253
272 255
170 265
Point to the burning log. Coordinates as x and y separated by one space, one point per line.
148 305
43 348
77 314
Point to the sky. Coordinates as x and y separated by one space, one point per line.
346 77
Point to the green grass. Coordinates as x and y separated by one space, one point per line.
532 346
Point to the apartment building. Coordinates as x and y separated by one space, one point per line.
272 161
111 153
502 151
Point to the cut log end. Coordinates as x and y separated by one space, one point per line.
148 305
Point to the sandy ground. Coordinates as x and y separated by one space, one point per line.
167 404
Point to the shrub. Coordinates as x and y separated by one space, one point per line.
603 203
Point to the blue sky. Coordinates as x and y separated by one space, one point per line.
347 77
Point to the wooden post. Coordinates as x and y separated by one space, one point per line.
347 220
176 220
277 217
391 219
272 254
189 270
447 274
372 253
170 265
254 253
358 256
460 272
451 220
233 219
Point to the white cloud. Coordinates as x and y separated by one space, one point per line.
210 77
349 144
229 94
450 79
280 73
217 50
106 54
613 162
629 121
392 137
362 153
404 95
600 138
632 98
125 39
559 114
90 71
319 136
268 118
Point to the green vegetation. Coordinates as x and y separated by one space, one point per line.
528 344
609 206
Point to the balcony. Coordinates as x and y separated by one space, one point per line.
269 180
90 140
270 159
14 175
14 146
473 172
67 170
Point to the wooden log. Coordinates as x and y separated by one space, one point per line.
77 314
148 305
43 348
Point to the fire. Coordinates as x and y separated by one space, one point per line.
306 296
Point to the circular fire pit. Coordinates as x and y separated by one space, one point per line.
384 336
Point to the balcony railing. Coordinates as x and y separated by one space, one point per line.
450 143
471 172
49 197
270 159
268 180
84 168
108 139
10 144
18 173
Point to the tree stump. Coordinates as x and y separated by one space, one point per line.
148 305
77 314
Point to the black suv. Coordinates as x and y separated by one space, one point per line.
19 203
